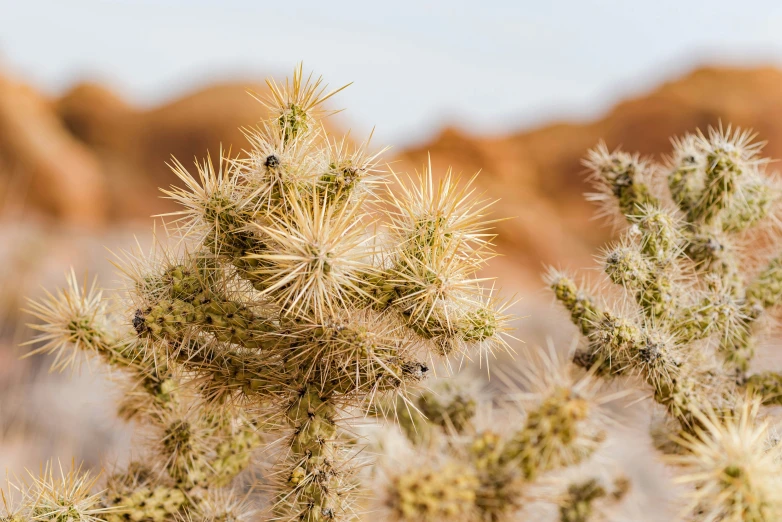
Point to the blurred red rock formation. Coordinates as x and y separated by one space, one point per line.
537 174
90 158
61 176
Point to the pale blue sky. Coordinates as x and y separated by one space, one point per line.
489 65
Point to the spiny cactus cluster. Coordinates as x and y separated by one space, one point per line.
697 270
293 290
473 473
299 287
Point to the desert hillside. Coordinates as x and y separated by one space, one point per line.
92 159
538 177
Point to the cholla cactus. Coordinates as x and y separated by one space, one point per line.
486 474
699 299
587 500
299 287
733 466
57 495
299 290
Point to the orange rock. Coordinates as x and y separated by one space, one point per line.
60 175
538 176
89 156
134 146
